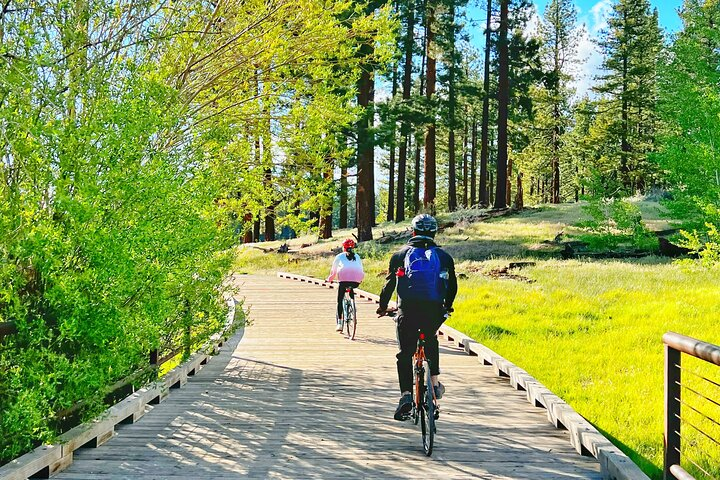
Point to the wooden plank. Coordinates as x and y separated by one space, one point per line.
33 463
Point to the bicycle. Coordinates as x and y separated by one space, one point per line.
349 318
425 408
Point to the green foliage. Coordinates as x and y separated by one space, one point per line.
632 46
705 243
136 137
616 222
690 110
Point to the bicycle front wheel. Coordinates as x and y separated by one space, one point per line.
350 318
428 408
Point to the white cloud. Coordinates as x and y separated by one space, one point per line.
600 13
589 57
531 27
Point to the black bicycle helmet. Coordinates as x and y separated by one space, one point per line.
424 225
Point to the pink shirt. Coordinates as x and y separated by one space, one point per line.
346 270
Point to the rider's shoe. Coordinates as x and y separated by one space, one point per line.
404 407
339 327
439 390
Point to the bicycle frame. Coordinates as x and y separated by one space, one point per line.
418 359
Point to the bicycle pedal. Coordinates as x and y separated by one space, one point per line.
436 413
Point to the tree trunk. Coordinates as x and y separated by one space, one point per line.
269 212
452 157
248 235
508 185
267 160
365 212
490 190
325 229
256 230
430 165
343 198
519 201
577 197
416 186
465 165
452 174
391 173
503 103
484 147
405 125
473 165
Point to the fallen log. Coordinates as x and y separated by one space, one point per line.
668 249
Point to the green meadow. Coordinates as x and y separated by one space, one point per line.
589 330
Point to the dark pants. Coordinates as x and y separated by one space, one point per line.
341 294
426 317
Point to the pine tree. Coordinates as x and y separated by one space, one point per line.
559 37
503 106
408 49
485 128
632 44
430 170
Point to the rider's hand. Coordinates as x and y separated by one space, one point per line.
381 311
449 310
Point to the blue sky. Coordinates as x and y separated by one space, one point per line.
592 14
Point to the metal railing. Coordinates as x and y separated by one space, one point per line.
677 389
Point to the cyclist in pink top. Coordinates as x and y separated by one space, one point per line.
348 270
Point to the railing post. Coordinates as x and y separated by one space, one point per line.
154 355
672 410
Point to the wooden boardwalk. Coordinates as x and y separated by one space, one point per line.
289 397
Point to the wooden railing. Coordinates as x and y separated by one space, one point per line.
676 402
46 460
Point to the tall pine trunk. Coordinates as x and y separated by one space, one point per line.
430 164
327 203
365 201
473 164
343 220
452 174
452 160
390 212
418 164
405 125
465 164
501 191
484 136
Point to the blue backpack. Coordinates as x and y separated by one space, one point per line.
422 279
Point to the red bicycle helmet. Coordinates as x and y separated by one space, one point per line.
348 244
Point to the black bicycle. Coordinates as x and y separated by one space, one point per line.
349 318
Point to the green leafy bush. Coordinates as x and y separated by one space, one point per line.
615 222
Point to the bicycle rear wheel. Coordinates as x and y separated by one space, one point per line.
350 318
428 408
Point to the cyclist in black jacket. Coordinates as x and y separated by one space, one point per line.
423 302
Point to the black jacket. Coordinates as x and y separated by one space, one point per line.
398 260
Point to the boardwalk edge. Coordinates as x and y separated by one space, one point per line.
584 437
47 460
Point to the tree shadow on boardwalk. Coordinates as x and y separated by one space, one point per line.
254 419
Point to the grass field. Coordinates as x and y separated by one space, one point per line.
589 330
